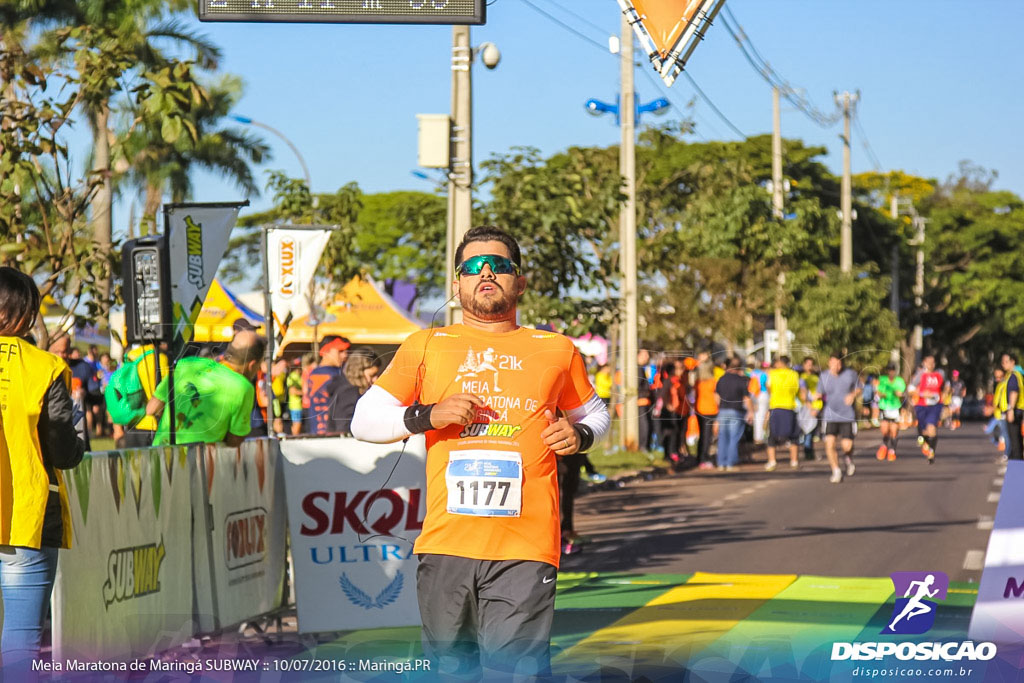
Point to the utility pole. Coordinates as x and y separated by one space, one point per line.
919 288
847 102
781 324
630 433
460 176
894 298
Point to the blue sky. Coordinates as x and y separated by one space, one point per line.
938 85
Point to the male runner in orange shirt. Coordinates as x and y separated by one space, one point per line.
486 393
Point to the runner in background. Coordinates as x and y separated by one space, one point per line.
759 397
810 408
957 392
890 389
928 385
839 386
783 387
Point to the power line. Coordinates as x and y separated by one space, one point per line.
603 48
761 66
864 141
567 27
582 18
712 105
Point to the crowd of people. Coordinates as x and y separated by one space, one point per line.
700 412
496 402
220 394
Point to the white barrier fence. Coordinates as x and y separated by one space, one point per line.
125 587
147 548
246 533
998 614
354 511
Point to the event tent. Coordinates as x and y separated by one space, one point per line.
220 309
362 313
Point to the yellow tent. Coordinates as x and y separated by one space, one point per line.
220 310
361 313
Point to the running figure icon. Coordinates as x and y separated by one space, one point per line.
915 606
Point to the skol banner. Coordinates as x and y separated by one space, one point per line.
197 236
354 511
999 612
244 487
292 258
125 587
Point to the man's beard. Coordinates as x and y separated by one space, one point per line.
492 308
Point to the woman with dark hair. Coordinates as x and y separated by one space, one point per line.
37 438
361 370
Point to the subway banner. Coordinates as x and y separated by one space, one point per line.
292 257
124 589
354 511
244 488
197 236
999 611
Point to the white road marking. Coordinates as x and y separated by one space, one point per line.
985 523
993 497
975 560
1001 470
747 491
998 482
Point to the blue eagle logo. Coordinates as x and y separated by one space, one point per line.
357 596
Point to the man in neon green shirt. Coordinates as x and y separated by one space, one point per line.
891 388
213 401
783 387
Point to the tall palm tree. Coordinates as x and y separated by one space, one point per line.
156 164
110 39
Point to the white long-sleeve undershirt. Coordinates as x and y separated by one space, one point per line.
380 417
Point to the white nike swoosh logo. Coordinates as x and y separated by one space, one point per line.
547 580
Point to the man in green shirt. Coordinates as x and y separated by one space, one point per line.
891 388
213 400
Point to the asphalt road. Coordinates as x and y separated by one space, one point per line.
890 516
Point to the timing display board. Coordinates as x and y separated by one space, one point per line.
347 11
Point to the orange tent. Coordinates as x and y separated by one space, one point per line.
362 313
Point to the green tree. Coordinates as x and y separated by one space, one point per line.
847 313
162 152
43 204
106 41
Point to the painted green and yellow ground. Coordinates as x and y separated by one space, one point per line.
702 621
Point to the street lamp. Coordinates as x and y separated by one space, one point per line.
305 169
658 107
626 121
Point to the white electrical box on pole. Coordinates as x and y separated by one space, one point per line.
630 433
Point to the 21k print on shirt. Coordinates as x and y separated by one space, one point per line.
519 375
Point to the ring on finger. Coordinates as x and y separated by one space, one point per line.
566 441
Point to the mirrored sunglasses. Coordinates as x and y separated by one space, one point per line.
499 265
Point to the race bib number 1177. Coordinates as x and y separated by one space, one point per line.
485 483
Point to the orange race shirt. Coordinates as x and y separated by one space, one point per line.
519 375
